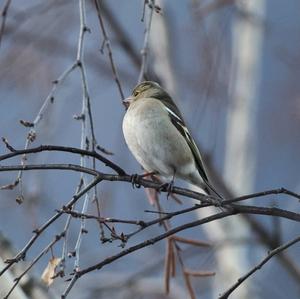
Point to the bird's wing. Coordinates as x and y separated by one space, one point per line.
180 126
177 120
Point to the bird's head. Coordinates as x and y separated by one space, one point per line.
146 89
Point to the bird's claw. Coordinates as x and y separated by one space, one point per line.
168 187
134 181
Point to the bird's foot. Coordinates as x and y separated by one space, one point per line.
168 187
134 181
135 178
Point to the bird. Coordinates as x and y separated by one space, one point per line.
156 135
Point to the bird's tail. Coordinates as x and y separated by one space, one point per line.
210 190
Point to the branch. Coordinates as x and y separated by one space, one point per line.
3 17
36 259
21 255
121 35
277 250
76 214
68 149
71 167
106 42
237 210
206 201
145 45
140 181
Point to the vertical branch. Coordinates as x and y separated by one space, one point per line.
85 113
144 51
106 42
65 235
86 109
3 18
273 252
31 135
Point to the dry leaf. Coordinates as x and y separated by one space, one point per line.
49 272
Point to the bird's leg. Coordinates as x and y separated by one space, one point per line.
168 186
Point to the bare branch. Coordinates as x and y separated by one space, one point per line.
154 240
3 16
36 259
68 149
21 255
272 253
76 214
204 199
144 50
106 42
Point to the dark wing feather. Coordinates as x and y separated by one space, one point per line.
178 122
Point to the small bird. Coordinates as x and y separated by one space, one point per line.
158 138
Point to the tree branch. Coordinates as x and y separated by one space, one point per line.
237 210
68 149
3 18
275 251
21 255
106 42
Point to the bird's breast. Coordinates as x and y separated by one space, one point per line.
155 141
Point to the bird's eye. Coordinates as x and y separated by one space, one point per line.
135 93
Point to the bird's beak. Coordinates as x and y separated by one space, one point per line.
127 102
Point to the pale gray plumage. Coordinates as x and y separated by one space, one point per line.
158 138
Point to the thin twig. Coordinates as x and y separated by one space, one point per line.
66 229
122 37
31 135
3 18
273 252
144 51
21 255
86 114
67 149
159 238
76 214
106 42
36 259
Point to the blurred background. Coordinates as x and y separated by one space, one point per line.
233 68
